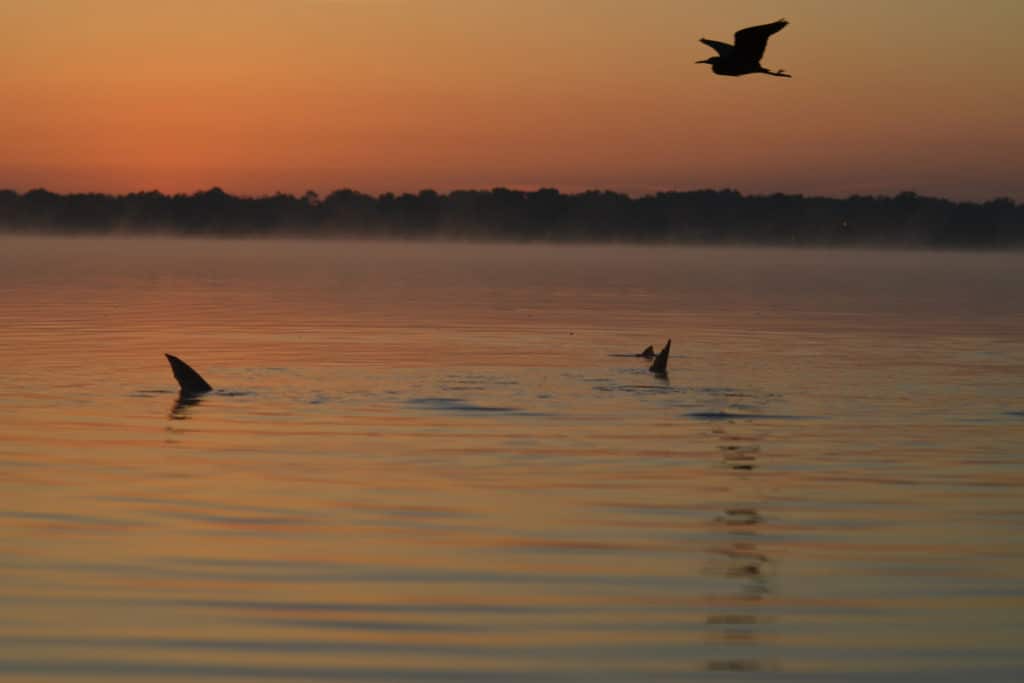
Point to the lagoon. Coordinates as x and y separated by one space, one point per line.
436 461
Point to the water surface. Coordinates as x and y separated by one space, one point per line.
433 462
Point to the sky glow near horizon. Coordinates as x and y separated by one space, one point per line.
259 96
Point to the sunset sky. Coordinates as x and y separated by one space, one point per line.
258 96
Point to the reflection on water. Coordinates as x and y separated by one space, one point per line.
184 404
736 631
428 462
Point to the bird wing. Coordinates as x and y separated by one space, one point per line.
723 49
750 42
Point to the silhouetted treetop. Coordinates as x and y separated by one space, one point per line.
714 216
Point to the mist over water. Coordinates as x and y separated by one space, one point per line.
434 462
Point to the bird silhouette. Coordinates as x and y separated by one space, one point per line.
745 56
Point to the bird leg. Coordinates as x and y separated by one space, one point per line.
781 73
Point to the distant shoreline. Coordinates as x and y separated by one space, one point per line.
546 215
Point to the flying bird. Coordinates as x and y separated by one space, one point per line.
745 56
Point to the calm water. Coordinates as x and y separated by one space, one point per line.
427 463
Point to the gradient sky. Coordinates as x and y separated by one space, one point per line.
258 96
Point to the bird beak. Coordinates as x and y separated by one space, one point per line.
703 61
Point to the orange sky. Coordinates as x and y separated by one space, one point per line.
257 96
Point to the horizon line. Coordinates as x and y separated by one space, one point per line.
512 188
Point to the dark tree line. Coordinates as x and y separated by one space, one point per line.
710 216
